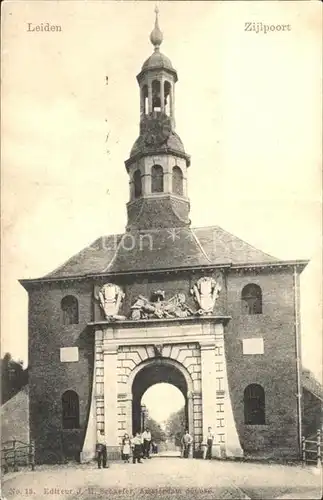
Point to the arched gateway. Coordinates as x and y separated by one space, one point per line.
154 371
132 355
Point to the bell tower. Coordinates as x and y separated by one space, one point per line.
157 166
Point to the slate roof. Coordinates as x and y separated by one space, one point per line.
161 249
157 60
173 142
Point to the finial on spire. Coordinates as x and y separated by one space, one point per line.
156 36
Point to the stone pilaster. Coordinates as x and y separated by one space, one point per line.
208 382
227 442
96 414
197 419
216 402
111 400
124 415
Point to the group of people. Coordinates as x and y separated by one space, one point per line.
187 442
139 447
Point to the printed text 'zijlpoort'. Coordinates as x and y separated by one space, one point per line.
266 28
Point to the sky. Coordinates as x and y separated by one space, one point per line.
162 392
248 109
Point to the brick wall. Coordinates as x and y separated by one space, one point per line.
275 370
15 417
49 378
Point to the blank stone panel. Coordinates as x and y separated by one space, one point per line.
253 346
69 354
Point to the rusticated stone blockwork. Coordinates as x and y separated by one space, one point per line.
186 353
132 357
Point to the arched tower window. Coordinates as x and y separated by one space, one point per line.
251 297
254 405
145 99
70 410
177 180
167 88
156 95
70 310
157 179
137 183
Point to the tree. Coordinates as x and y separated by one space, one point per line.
157 433
13 377
175 426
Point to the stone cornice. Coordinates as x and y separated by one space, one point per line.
298 264
172 71
157 196
156 151
129 323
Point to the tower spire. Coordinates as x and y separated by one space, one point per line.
158 163
156 36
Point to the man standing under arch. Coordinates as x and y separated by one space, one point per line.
186 443
146 442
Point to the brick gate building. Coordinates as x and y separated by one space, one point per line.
165 302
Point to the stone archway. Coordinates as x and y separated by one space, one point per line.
156 371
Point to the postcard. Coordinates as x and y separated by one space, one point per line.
161 250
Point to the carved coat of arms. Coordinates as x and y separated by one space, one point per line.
205 293
110 297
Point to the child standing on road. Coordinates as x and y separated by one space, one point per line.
126 445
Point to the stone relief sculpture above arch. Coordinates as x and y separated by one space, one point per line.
159 307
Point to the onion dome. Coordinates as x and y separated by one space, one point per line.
157 60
